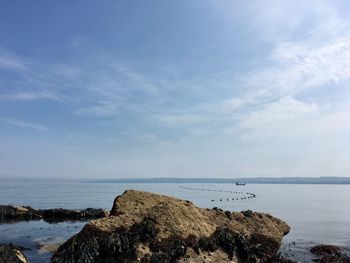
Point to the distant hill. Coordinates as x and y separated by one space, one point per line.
254 180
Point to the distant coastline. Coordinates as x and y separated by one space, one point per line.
252 180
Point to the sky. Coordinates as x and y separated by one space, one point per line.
195 88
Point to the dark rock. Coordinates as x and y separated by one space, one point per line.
334 259
281 259
11 254
228 214
247 213
261 247
18 213
59 214
321 250
150 228
329 254
10 213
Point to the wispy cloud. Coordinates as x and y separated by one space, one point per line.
304 127
298 67
242 86
23 124
181 120
102 86
10 62
286 98
29 96
283 110
101 109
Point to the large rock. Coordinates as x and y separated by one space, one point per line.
146 227
11 254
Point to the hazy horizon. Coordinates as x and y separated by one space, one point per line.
209 89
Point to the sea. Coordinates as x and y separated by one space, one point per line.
317 214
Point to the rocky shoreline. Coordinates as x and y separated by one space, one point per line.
150 228
11 213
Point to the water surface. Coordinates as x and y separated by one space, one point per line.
316 213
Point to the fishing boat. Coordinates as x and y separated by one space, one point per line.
237 183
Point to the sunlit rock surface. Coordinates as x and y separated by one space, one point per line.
146 227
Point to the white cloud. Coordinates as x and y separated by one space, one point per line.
180 120
283 110
298 67
29 96
250 100
24 124
230 105
102 109
291 119
10 62
269 108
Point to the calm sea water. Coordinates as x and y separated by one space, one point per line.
316 213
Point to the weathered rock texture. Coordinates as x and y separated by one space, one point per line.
9 212
19 213
11 254
145 227
329 254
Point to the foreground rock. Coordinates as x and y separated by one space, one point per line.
145 227
329 254
20 213
11 254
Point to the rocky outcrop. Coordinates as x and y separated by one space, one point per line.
10 253
329 254
59 214
150 228
20 213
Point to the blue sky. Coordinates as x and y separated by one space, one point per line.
125 89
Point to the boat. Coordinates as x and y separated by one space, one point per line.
237 183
